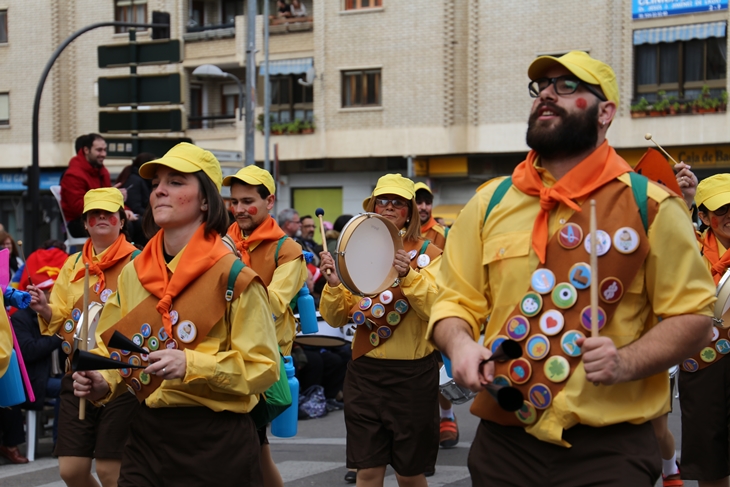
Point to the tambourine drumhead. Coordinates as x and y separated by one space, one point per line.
365 252
94 315
326 336
722 305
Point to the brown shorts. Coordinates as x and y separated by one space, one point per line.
104 431
705 403
191 446
391 414
263 439
618 455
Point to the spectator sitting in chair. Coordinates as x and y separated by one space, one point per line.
298 9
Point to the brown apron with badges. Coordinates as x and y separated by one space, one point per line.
111 276
555 311
378 317
196 310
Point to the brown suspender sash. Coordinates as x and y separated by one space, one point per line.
378 317
549 318
196 310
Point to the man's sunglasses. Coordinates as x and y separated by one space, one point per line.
564 85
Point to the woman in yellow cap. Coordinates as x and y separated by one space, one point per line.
104 431
206 320
391 387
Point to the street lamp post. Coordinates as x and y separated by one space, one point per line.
211 71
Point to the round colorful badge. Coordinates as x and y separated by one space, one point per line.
540 396
570 236
145 378
527 413
66 348
423 260
365 303
580 275
722 346
378 310
384 332
124 352
386 297
496 342
564 295
104 296
138 339
556 368
543 281
358 317
569 343
401 306
374 339
125 372
76 314
136 384
145 356
585 318
501 380
626 240
186 331
162 334
552 322
174 316
134 360
602 246
518 327
715 333
610 290
708 354
153 343
115 356
146 330
690 365
520 371
171 344
537 347
531 304
96 287
412 254
68 326
393 318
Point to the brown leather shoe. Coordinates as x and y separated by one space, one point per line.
12 454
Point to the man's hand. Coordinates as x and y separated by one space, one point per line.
601 360
90 384
327 262
454 339
168 364
38 303
687 182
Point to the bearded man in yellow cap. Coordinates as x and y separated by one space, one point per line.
277 259
517 266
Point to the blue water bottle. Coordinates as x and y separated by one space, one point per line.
447 364
285 425
307 314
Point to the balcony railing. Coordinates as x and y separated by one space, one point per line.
212 120
209 32
289 25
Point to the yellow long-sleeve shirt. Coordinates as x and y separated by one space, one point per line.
672 281
408 342
6 340
236 361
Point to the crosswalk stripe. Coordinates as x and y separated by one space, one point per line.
330 442
444 475
291 470
40 464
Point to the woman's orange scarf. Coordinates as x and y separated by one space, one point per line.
199 255
599 168
267 230
712 253
117 251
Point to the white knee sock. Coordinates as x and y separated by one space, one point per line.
669 467
447 413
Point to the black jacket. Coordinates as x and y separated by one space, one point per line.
138 192
36 350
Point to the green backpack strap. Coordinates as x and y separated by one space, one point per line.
423 247
77 258
135 254
446 231
236 269
497 196
639 186
278 247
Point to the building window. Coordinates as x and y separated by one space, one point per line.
290 100
130 11
361 88
3 26
4 108
681 68
360 4
229 99
232 8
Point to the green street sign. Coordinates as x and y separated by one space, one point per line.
129 147
132 90
164 51
136 121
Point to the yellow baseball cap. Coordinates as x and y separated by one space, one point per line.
392 184
713 192
186 158
107 199
586 68
254 176
422 186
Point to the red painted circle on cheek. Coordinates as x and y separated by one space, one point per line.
113 220
92 221
403 212
581 103
252 210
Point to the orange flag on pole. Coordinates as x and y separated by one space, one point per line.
655 166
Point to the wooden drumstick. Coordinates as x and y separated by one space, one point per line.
83 342
648 137
594 272
320 213
22 256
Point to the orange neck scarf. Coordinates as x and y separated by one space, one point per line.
119 250
267 230
428 225
711 251
599 168
199 255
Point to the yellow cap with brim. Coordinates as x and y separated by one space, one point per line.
107 199
586 68
419 186
254 176
186 158
713 192
392 184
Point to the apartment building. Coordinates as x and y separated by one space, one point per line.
439 87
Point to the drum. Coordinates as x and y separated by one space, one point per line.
326 336
94 315
365 252
453 391
722 305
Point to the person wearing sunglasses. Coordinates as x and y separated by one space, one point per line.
517 267
391 386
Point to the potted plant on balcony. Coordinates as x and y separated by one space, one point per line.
723 101
307 127
659 108
294 127
640 109
705 103
278 128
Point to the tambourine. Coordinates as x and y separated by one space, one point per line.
365 252
94 315
721 317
